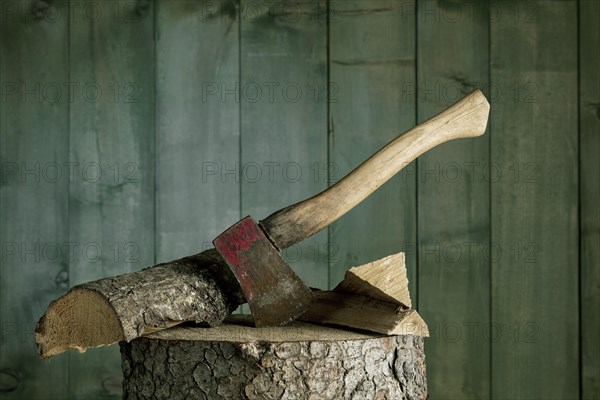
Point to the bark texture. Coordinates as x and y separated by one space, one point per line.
197 288
334 364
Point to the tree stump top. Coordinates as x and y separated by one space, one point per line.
299 361
240 329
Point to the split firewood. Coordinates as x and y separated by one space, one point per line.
371 297
384 279
361 312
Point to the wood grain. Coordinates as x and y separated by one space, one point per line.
284 127
534 216
197 133
363 313
240 328
453 204
384 279
113 134
589 192
33 205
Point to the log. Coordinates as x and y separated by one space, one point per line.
197 288
202 289
298 361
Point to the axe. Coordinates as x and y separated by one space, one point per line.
275 294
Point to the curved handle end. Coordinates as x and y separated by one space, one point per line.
481 112
467 118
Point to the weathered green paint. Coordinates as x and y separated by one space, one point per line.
534 213
453 204
283 117
367 59
197 135
33 137
589 164
372 101
112 216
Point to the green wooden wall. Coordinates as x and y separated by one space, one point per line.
134 131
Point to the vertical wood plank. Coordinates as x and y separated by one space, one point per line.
372 50
197 124
453 203
589 166
33 199
535 353
283 108
111 208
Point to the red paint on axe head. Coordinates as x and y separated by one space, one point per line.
274 292
236 241
238 238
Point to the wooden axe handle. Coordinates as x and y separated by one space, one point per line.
467 118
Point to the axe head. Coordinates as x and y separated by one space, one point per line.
276 295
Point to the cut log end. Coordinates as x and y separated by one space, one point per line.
79 320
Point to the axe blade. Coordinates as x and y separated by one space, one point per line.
275 294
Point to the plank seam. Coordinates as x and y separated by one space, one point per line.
490 198
417 258
579 211
69 106
327 129
154 10
240 159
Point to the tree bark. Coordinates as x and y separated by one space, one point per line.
199 288
298 361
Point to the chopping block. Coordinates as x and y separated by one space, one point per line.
362 340
299 361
